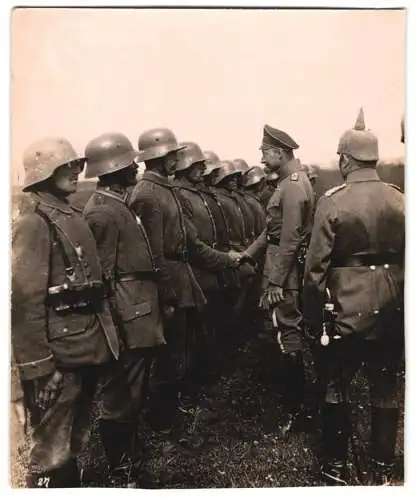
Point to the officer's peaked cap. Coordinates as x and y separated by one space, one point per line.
277 138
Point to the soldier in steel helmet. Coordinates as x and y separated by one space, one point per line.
356 258
62 330
175 246
189 173
253 183
283 243
130 274
228 279
235 209
239 195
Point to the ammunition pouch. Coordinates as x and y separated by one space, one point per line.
74 296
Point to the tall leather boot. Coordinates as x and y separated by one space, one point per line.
294 384
336 429
384 423
164 404
118 440
66 476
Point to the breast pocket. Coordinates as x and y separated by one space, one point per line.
61 326
135 311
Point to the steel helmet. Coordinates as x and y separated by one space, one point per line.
358 142
157 143
189 155
108 153
212 162
253 176
42 158
226 169
241 165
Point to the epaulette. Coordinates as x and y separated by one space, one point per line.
294 176
335 189
395 187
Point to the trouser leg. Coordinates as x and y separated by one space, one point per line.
170 368
287 321
121 399
381 367
337 364
58 433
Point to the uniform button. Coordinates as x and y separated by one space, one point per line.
376 311
386 266
373 268
65 329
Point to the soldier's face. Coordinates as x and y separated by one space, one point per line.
171 160
195 173
272 158
130 175
232 182
66 177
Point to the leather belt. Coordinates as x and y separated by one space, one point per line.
369 260
150 275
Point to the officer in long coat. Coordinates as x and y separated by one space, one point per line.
289 223
130 274
62 330
188 176
356 258
175 246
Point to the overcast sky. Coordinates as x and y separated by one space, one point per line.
214 76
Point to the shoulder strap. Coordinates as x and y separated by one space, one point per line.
55 238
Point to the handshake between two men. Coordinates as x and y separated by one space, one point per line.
272 295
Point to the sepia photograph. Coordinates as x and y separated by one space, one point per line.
207 247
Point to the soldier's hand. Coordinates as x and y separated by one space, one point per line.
49 391
276 295
169 311
235 257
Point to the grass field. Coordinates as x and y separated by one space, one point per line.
230 434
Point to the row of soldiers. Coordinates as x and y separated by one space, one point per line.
155 275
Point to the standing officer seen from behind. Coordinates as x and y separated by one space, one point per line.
356 257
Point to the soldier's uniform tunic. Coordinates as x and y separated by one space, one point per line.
259 215
240 224
289 221
131 274
357 252
174 245
75 342
199 215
